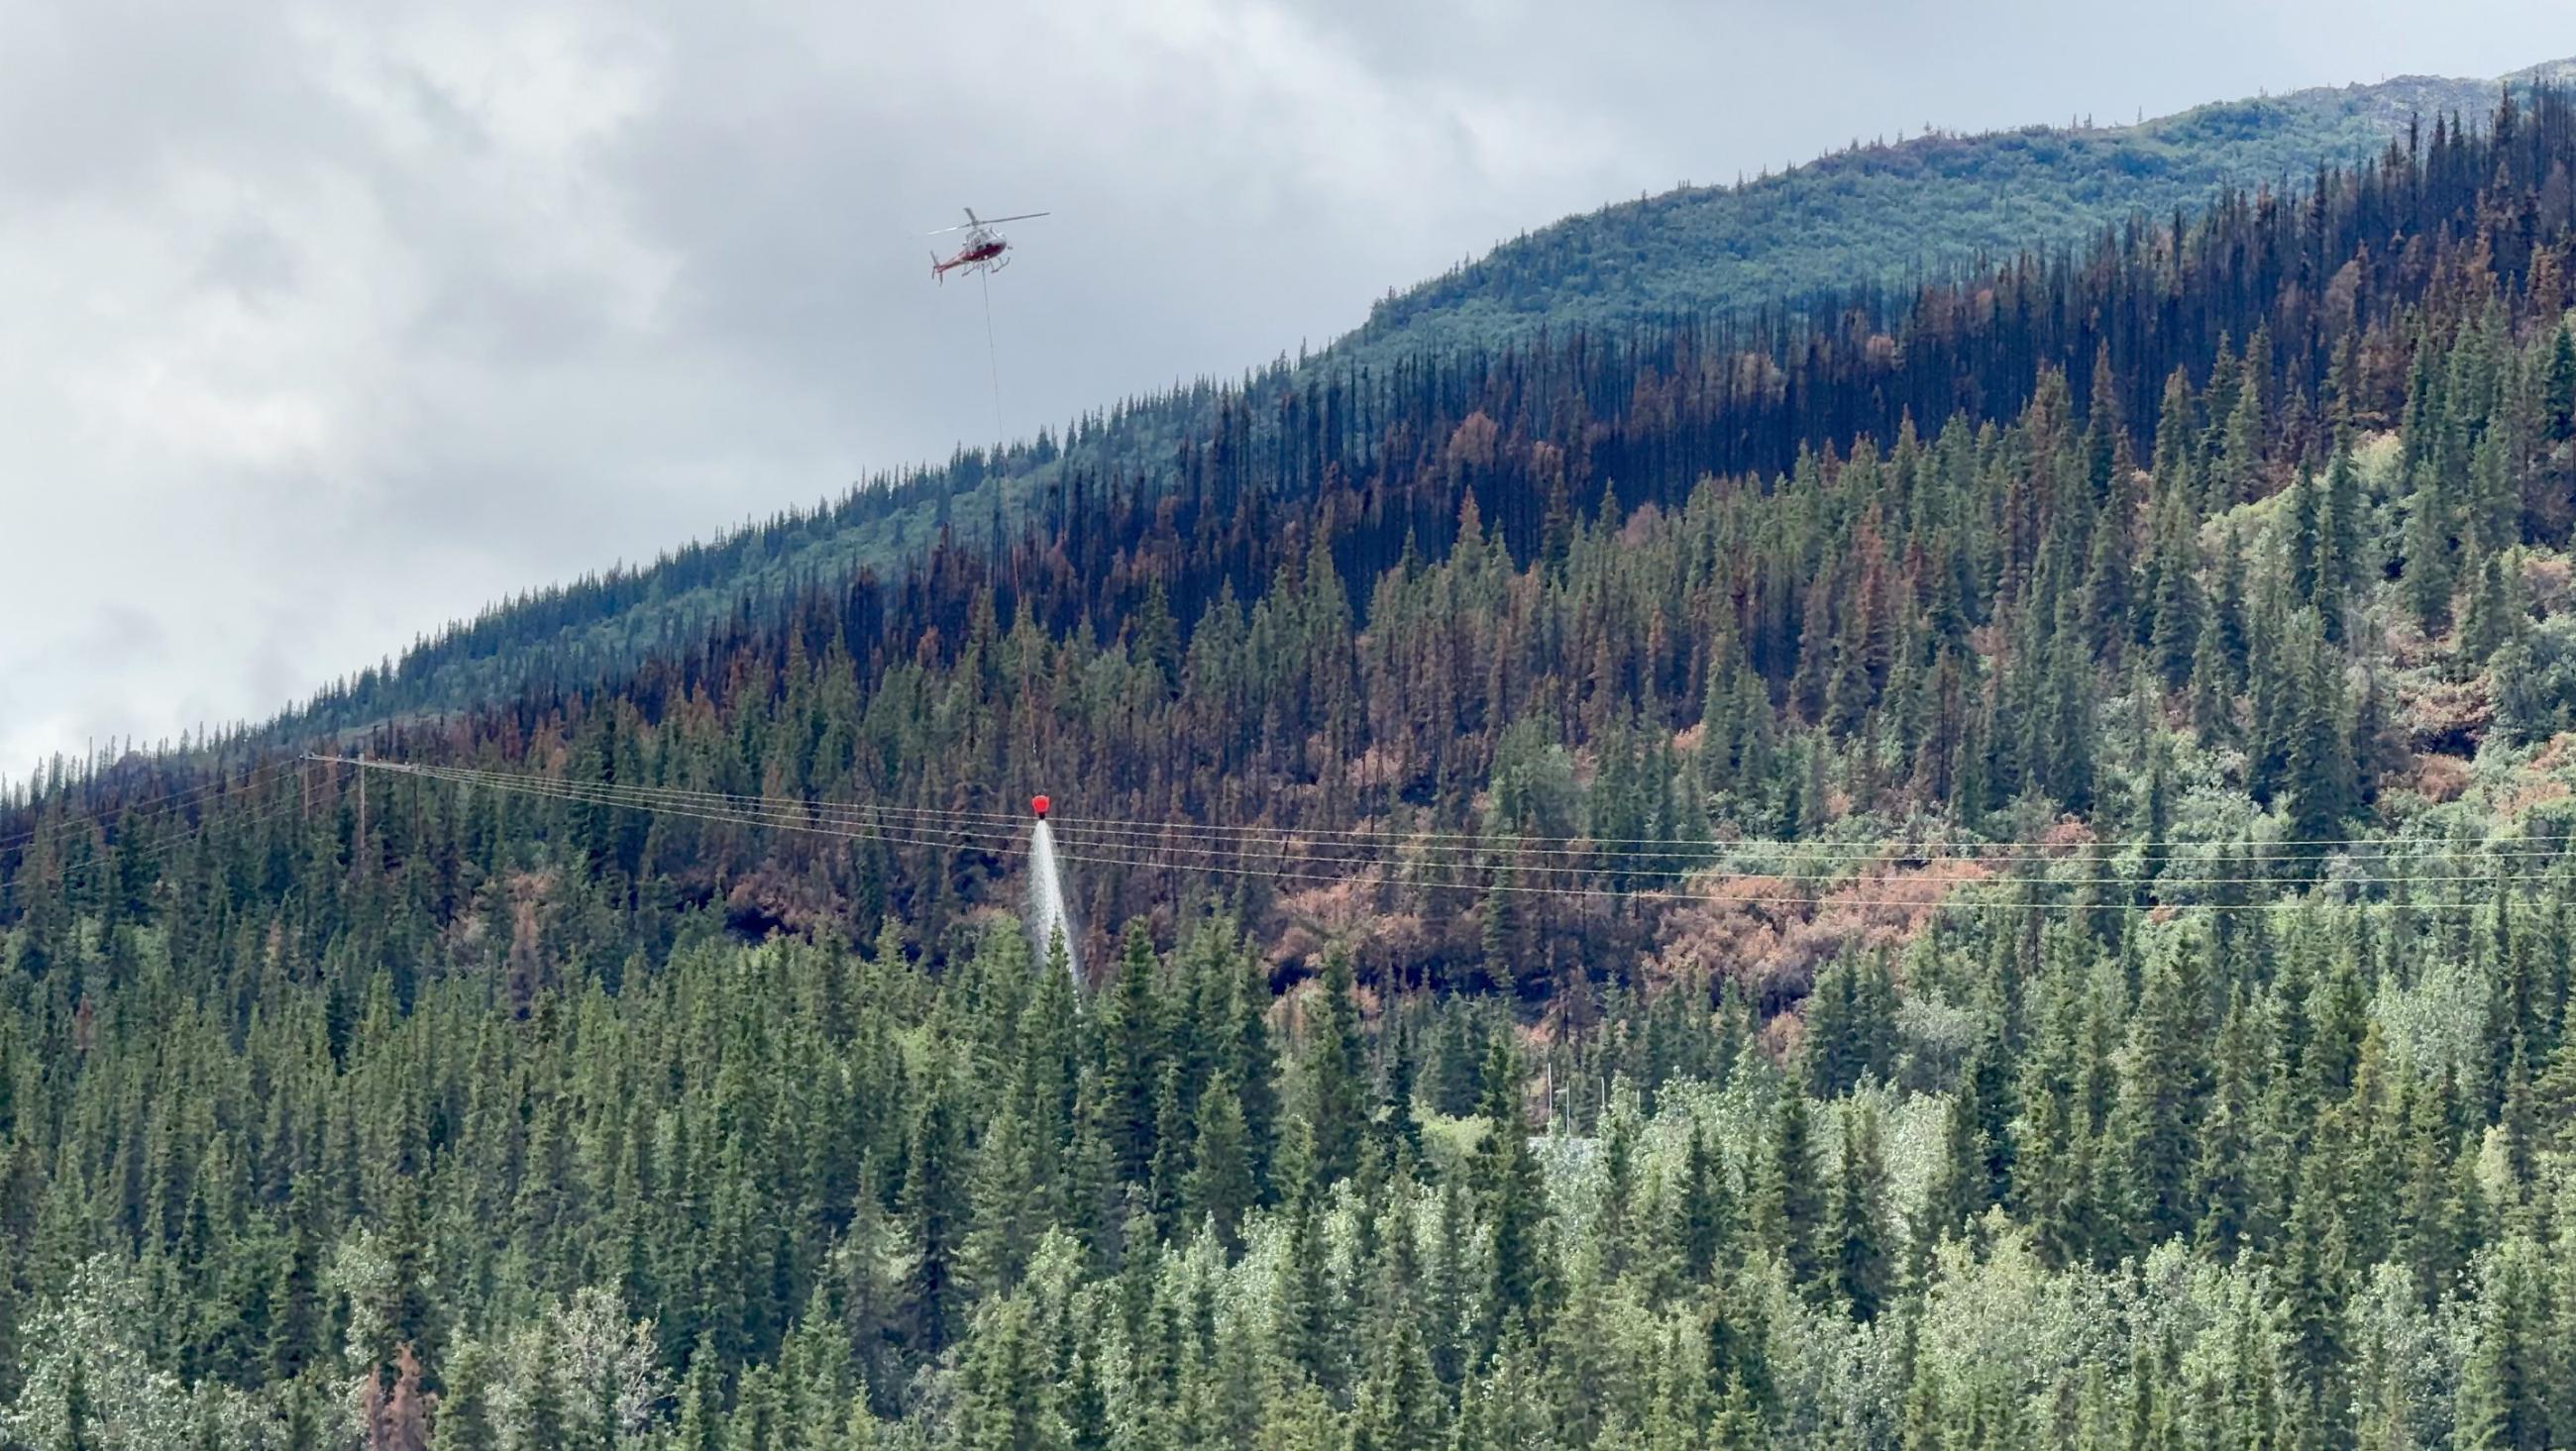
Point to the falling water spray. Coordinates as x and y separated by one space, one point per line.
1047 915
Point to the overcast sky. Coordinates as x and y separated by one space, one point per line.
322 324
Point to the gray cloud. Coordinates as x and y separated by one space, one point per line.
328 323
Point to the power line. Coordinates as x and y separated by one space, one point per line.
769 811
1132 827
254 816
176 798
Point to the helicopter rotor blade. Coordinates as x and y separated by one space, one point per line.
975 223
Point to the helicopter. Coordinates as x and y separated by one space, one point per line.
983 249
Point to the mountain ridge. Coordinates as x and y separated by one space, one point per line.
569 633
2240 142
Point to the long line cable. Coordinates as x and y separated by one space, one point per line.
992 359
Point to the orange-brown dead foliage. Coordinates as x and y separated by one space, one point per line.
1769 934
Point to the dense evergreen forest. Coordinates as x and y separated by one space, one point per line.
1988 870
1888 212
1796 243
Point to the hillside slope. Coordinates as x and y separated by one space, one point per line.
2044 921
1824 225
1885 214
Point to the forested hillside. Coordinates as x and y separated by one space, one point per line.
1895 213
1869 219
1991 870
